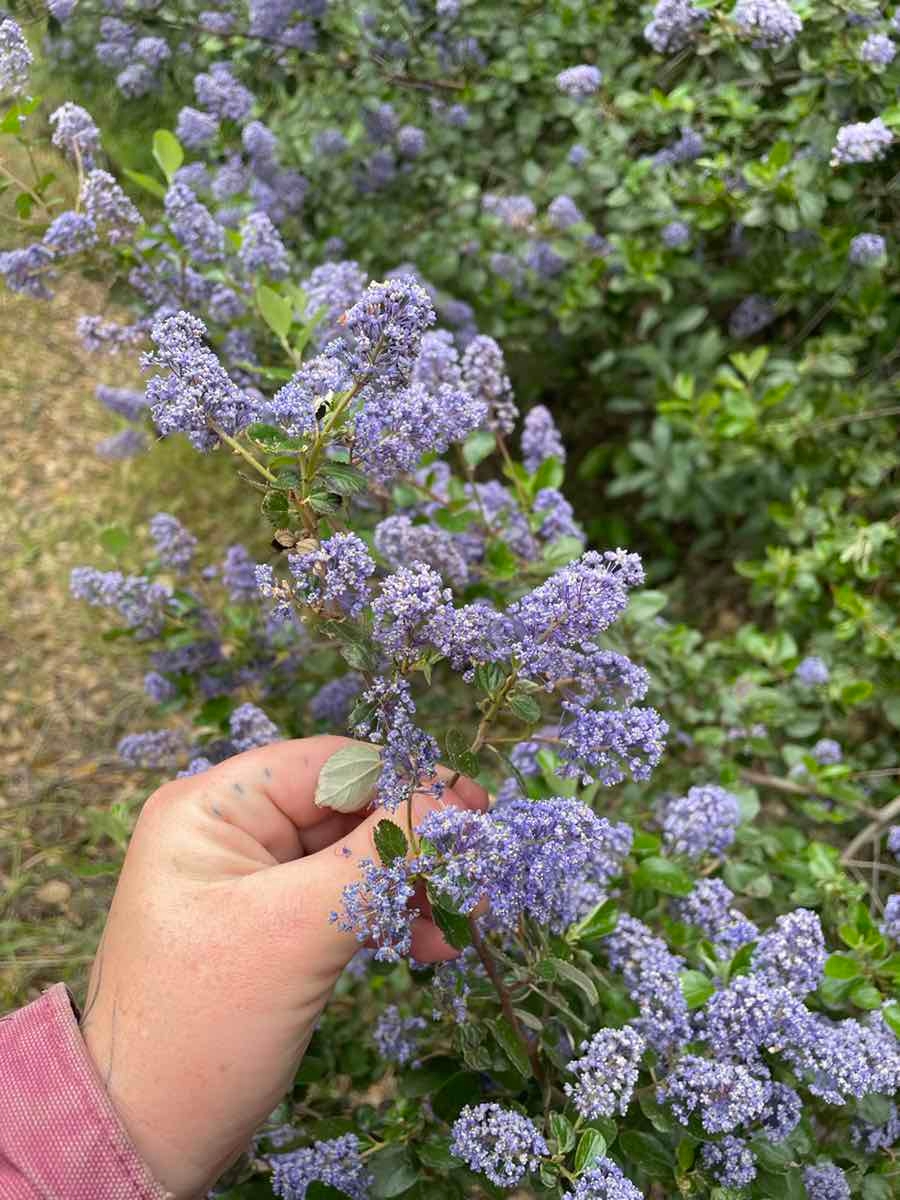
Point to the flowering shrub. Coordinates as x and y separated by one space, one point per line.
656 993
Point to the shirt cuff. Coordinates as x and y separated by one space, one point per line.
60 1137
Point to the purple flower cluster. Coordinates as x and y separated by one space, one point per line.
384 329
610 745
222 95
377 908
119 446
730 1160
867 249
792 953
724 1095
812 671
175 545
606 1072
675 235
239 575
484 377
262 250
825 1181
498 1143
702 822
75 133
399 541
675 25
750 1015
158 688
579 82
782 1112
28 270
335 576
827 751
861 142
752 316
15 57
196 129
651 974
769 23
194 225
603 1181
409 756
890 926
140 602
295 405
336 1163
396 1036
878 50
156 748
197 392
250 727
333 701
709 909
70 233
398 425
109 208
540 438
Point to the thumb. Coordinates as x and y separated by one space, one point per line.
313 887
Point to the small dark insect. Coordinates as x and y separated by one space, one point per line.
321 411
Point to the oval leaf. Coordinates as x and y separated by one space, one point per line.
168 152
591 1147
348 779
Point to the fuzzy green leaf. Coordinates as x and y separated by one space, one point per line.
347 780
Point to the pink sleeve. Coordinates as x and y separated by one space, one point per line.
60 1138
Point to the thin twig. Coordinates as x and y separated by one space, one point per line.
873 830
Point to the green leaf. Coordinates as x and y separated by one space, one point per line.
311 1069
347 780
168 152
394 1172
147 182
317 1190
114 540
277 312
511 1045
478 446
646 1151
663 875
344 479
390 842
454 926
460 1089
525 707
557 968
562 1131
839 966
696 988
276 507
501 559
875 1109
550 474
599 922
458 754
271 439
591 1147
891 1014
867 996
856 693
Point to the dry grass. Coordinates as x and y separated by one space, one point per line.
66 805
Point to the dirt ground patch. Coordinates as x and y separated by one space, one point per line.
66 804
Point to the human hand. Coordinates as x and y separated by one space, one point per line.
218 954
